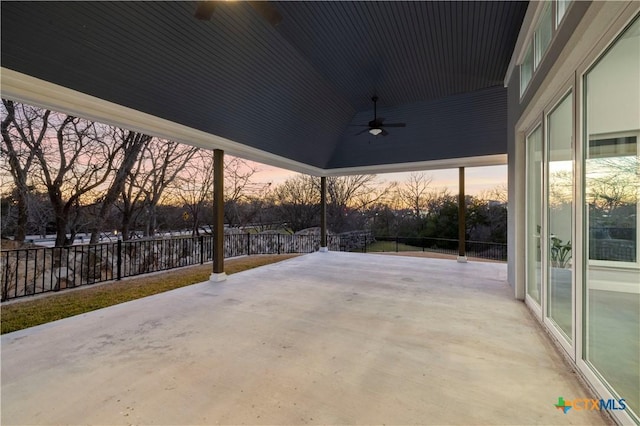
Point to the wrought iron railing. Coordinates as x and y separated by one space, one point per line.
480 249
30 271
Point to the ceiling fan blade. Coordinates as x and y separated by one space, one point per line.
377 124
204 10
362 131
268 12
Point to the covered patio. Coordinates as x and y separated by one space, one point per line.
332 89
326 338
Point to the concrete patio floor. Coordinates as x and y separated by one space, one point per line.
327 338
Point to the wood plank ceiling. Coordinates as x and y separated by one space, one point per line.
294 90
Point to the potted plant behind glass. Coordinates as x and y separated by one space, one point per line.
560 268
560 253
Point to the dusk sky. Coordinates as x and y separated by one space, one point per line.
477 179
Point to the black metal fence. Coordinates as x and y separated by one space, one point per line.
480 249
31 271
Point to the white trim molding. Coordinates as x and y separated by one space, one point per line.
24 88
449 163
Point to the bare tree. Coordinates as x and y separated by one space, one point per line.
133 197
237 178
613 182
194 188
40 213
243 197
440 198
498 193
356 190
415 193
298 201
74 162
127 147
23 130
160 163
349 196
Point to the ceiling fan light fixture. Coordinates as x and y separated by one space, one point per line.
375 131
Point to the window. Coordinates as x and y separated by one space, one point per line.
561 8
612 196
541 39
543 34
526 70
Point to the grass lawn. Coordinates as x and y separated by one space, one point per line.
28 313
390 246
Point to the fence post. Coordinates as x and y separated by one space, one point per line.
278 243
365 243
248 243
201 238
5 291
119 260
26 269
396 243
67 281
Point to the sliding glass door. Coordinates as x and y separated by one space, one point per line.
611 230
582 218
559 199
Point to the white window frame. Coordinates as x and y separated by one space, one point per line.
538 55
620 263
529 51
557 19
533 40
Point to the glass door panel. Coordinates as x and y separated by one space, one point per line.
612 193
560 205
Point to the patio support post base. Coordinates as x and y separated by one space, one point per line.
324 249
462 259
216 278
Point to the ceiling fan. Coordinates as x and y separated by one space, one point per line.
204 11
377 125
